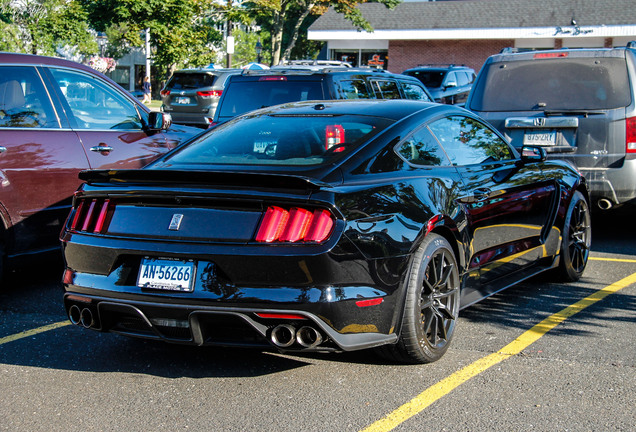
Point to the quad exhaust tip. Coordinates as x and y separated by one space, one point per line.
83 317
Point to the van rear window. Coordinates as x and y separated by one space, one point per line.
184 81
589 83
242 97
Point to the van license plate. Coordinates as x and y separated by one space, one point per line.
541 138
183 100
166 274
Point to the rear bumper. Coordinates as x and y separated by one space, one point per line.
617 185
282 329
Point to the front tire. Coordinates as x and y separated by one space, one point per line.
432 304
576 241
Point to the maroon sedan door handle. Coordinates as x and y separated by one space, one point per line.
3 149
481 194
102 148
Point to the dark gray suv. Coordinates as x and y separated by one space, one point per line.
449 84
579 104
191 95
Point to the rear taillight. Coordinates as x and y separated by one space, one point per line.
165 92
550 55
211 93
630 135
92 215
294 225
334 136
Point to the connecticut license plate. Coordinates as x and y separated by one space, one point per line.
166 274
543 137
183 100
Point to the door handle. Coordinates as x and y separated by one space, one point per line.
3 149
102 148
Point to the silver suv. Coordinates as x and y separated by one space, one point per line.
579 104
191 95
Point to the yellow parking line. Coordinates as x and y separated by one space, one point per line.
623 260
442 388
33 332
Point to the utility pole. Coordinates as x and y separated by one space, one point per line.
148 53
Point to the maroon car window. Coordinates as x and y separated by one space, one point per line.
468 141
94 104
24 102
280 140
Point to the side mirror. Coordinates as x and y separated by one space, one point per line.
450 84
158 121
533 154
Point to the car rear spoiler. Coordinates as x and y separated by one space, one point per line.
223 178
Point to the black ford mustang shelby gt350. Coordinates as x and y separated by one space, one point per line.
321 226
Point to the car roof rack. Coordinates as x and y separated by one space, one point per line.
314 62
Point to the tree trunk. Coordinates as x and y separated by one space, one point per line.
301 19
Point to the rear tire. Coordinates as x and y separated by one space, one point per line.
431 306
576 240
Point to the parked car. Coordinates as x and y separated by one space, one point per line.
281 84
578 104
57 118
191 95
449 84
321 226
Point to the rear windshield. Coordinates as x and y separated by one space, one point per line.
432 79
242 97
547 84
183 81
280 140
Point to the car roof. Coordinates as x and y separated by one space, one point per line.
208 70
394 109
438 67
36 60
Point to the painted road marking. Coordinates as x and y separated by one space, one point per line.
33 332
448 384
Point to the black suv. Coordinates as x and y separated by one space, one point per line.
257 89
191 95
579 104
448 84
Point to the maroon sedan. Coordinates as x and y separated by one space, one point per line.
58 117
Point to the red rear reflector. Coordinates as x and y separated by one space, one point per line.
165 92
272 225
294 225
68 276
371 302
550 55
630 135
273 78
281 316
77 298
211 93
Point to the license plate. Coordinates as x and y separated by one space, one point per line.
166 274
183 100
542 138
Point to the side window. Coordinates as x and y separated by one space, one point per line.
468 141
354 89
94 104
422 148
462 79
413 91
385 89
471 77
450 78
24 102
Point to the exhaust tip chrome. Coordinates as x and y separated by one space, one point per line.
283 335
74 314
308 337
604 204
86 318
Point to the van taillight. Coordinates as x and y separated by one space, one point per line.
334 135
211 93
294 225
630 135
273 78
550 55
92 215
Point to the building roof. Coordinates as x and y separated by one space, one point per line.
488 14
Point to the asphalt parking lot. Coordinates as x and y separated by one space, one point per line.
538 357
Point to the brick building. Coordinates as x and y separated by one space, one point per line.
467 32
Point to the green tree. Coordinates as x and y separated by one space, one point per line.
182 33
44 26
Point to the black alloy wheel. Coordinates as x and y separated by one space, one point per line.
432 304
577 238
